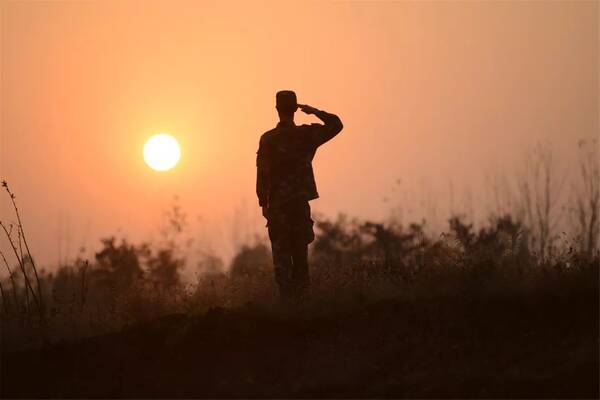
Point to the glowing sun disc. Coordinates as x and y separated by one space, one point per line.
161 152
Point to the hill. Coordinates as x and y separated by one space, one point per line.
452 347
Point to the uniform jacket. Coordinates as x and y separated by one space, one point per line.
284 160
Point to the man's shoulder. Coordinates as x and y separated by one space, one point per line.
268 135
310 126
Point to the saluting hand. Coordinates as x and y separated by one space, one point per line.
307 109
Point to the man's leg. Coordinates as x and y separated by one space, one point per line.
300 270
282 262
302 228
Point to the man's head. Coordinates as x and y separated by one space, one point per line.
286 103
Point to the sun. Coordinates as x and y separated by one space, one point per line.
162 152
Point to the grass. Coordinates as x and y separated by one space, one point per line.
392 313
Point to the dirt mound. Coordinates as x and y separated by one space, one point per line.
447 347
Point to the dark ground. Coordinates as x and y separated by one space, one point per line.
542 346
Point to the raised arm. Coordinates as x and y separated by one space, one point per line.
332 125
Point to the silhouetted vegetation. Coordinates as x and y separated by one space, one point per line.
393 299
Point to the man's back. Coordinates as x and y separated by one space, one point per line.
284 160
288 155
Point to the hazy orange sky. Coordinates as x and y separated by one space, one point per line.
428 92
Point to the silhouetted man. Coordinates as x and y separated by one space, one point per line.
285 184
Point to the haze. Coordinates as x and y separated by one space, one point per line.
429 93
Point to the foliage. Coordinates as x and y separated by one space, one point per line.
350 259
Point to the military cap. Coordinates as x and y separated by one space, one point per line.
286 100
